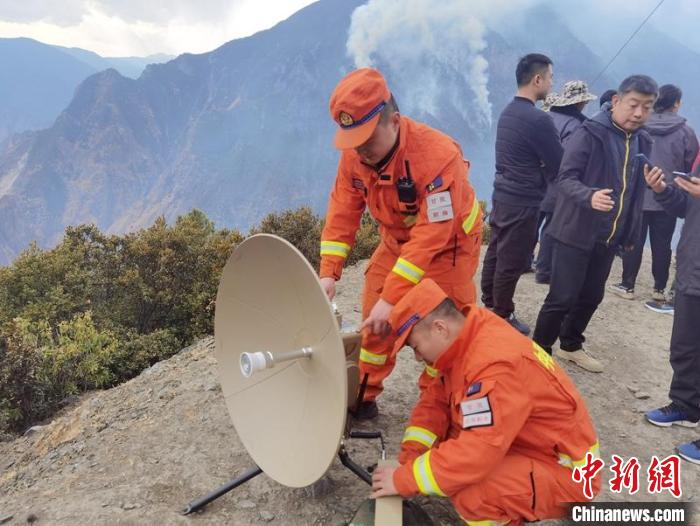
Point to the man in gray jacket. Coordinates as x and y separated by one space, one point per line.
675 148
682 198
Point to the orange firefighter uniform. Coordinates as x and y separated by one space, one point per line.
429 217
501 429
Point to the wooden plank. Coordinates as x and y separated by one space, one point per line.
389 510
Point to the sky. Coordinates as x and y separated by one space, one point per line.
144 27
141 27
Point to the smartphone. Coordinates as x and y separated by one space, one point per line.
684 175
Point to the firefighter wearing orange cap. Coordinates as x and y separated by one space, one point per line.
503 428
414 181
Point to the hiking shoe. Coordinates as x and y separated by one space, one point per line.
517 324
620 290
580 358
367 410
690 451
670 415
661 308
659 295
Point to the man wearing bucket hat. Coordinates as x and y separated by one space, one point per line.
565 111
414 181
502 430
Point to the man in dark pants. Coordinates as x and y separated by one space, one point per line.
682 199
675 148
528 154
600 190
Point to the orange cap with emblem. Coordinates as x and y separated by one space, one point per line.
355 105
418 302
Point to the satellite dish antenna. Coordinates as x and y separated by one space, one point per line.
281 361
287 372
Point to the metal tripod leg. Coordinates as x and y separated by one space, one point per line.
353 466
200 503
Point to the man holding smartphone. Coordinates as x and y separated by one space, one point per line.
675 148
600 189
682 199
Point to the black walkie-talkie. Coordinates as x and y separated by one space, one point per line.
406 187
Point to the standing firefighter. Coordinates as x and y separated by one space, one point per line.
415 183
502 430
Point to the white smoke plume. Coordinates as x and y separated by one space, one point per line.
423 42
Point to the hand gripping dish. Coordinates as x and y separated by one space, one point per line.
281 360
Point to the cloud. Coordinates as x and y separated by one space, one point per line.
141 27
65 13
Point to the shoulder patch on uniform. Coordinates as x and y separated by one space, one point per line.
473 389
357 183
476 412
435 184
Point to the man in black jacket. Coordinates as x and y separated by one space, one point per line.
528 153
682 199
600 191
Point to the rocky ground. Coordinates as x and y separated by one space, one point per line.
138 453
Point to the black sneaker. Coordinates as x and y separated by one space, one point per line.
620 290
517 324
367 411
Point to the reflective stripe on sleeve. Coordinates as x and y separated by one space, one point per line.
335 248
423 474
470 221
408 270
421 435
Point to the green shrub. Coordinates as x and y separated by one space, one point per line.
39 370
98 309
141 351
366 240
21 362
301 227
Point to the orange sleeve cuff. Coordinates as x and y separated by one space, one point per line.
395 288
404 482
331 267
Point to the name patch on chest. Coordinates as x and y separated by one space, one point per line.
439 207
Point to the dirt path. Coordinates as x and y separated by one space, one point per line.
136 454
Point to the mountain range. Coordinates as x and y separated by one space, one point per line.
244 130
39 80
